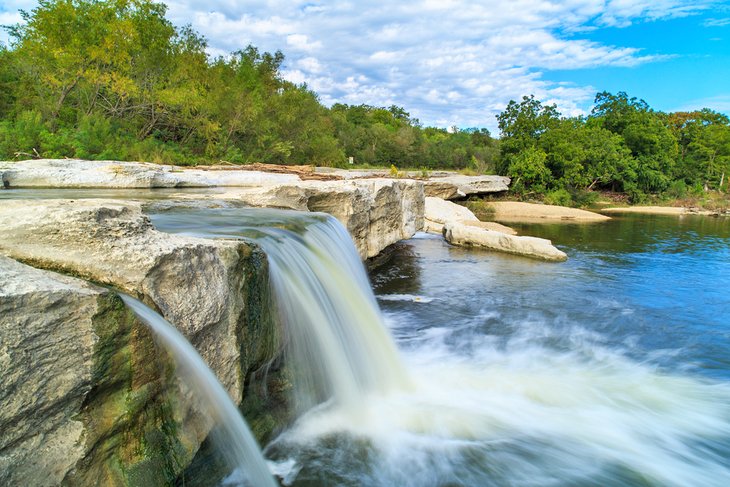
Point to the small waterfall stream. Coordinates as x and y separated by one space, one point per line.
339 344
235 440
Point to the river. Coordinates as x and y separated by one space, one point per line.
610 369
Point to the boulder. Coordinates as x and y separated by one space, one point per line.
209 289
84 395
466 235
459 186
497 227
439 211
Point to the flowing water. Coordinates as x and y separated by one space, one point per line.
341 350
610 369
231 436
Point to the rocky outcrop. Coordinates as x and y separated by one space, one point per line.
466 235
438 212
440 184
69 173
207 288
376 212
84 395
458 186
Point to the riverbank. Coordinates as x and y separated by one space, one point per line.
664 210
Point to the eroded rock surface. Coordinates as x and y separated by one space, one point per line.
467 235
459 186
81 389
206 288
439 211
376 212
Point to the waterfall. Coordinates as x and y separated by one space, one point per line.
340 349
340 346
236 442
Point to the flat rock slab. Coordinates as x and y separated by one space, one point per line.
458 186
71 173
470 236
439 211
514 211
494 226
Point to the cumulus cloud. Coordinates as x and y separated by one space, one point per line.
449 62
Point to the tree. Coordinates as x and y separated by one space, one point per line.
645 132
522 124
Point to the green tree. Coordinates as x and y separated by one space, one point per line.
521 125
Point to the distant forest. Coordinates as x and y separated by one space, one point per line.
116 80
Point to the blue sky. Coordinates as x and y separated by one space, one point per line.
454 62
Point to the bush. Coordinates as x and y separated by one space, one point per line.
583 198
481 209
677 190
560 197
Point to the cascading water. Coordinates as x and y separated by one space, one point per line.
491 396
341 349
233 438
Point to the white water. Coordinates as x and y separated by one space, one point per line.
487 399
342 351
233 438
525 415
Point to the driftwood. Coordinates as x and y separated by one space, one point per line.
304 172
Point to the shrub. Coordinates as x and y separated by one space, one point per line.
560 197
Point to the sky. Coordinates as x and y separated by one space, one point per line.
458 63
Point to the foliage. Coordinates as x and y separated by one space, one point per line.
622 146
114 79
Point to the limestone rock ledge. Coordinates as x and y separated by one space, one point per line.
211 290
438 212
457 186
376 212
81 399
468 235
72 173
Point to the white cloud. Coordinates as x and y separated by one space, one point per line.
720 103
446 61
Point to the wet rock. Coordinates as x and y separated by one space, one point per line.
82 398
201 286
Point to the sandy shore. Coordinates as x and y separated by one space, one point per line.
658 210
513 211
